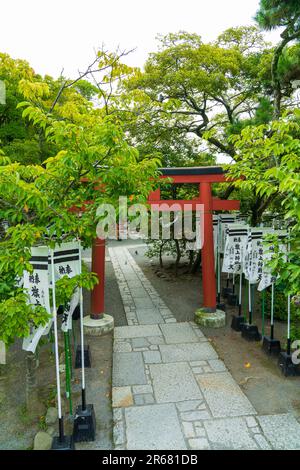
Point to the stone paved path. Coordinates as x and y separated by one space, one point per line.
170 389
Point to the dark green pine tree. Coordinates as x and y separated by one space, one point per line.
273 14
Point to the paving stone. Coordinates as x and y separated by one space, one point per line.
200 432
198 363
142 389
255 430
139 400
262 442
153 427
117 414
217 365
186 352
173 383
144 303
156 340
195 415
188 429
153 348
132 277
223 395
141 331
229 434
282 431
188 405
198 424
199 444
121 397
166 312
197 370
122 347
251 422
202 406
119 433
148 399
179 333
128 369
139 342
149 316
152 357
139 293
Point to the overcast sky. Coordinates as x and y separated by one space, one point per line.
64 33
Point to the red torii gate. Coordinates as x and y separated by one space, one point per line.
205 177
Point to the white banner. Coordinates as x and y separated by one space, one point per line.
235 247
36 284
224 221
254 254
66 262
266 278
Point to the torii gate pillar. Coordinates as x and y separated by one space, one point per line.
98 267
207 252
98 323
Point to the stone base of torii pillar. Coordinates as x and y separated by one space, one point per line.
216 319
98 327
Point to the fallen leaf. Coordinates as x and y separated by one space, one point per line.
247 365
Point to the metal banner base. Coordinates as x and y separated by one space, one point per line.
250 332
65 443
84 424
271 346
285 363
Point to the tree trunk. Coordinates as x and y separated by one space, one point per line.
160 254
274 69
197 263
178 257
191 260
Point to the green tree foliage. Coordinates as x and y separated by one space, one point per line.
268 157
21 141
191 91
51 203
286 14
274 13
